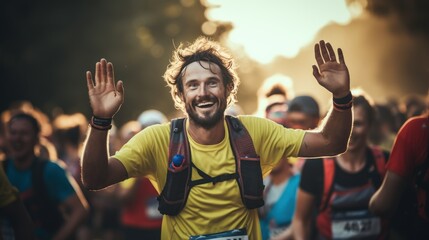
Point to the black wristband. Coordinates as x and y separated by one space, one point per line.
99 127
344 100
102 122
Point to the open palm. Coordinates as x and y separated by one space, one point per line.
105 97
330 73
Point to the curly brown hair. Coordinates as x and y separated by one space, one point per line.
202 49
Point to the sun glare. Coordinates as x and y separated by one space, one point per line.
266 29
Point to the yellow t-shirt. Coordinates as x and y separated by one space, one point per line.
8 194
127 184
209 208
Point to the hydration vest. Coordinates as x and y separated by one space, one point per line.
248 173
43 210
343 212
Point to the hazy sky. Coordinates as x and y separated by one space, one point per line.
383 57
282 27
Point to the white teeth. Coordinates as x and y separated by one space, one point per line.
204 104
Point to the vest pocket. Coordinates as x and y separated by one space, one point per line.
174 193
251 182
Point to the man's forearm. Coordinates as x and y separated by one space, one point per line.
301 230
336 129
76 215
384 202
95 159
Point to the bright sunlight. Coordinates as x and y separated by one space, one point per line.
266 29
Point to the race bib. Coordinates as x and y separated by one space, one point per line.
355 225
236 234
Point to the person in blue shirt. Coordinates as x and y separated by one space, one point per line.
47 190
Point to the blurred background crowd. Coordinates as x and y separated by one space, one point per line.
47 46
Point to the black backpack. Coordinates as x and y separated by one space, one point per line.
248 169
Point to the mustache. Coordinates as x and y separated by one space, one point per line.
204 99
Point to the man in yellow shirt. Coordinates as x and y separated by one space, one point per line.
203 84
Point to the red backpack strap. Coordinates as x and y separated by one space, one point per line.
379 159
241 140
176 189
328 180
247 162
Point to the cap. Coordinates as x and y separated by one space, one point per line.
305 104
151 117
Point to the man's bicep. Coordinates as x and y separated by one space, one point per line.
313 145
116 171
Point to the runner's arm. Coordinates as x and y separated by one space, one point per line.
76 210
332 74
333 137
386 199
98 170
303 217
106 98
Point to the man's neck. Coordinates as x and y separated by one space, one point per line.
205 136
24 162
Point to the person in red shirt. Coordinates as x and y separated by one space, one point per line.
140 217
407 169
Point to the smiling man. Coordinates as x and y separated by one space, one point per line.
208 167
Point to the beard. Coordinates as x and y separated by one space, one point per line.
209 120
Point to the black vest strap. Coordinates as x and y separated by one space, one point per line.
207 178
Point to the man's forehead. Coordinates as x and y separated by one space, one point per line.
21 124
200 67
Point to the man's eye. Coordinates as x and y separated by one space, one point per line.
193 86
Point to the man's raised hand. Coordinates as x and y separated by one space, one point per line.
330 73
105 97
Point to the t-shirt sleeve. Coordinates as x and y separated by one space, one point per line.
58 182
272 141
402 157
312 177
146 151
127 184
